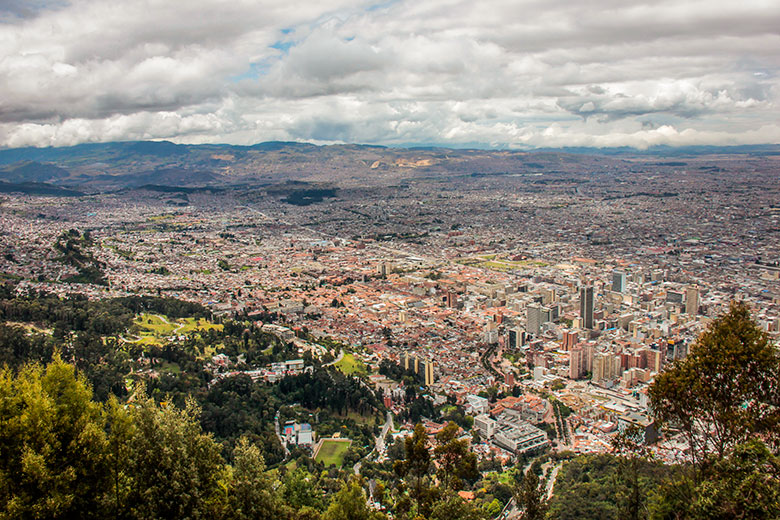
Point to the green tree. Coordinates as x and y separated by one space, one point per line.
417 461
300 490
529 495
456 461
746 485
120 429
629 446
452 507
725 391
725 399
251 492
350 504
173 467
52 442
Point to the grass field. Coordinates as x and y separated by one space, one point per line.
162 326
332 452
155 329
349 365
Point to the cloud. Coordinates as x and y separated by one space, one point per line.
451 72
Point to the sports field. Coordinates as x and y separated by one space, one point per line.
332 451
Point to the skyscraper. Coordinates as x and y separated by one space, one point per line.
692 300
570 338
576 363
586 306
533 317
618 281
516 338
427 372
536 315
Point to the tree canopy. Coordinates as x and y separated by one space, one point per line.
725 391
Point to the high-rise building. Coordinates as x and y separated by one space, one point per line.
533 317
586 306
423 368
548 296
427 372
580 361
692 300
509 379
536 315
576 363
618 281
606 367
452 299
517 337
570 338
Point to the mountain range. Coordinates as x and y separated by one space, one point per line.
112 166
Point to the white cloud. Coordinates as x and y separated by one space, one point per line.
504 72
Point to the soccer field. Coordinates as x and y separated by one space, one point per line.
332 452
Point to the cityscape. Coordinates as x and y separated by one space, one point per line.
505 300
389 260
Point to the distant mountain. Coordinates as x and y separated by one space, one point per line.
32 171
110 166
37 188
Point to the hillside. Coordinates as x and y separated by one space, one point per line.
130 164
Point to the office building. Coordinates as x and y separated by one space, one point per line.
618 281
692 300
534 319
570 338
516 338
485 426
586 306
517 436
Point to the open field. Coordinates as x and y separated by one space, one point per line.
332 451
162 326
349 365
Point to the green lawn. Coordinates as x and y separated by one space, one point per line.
157 326
349 365
191 324
332 452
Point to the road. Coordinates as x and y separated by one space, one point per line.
551 480
179 326
339 358
279 434
380 441
379 446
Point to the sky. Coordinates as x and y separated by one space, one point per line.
492 73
